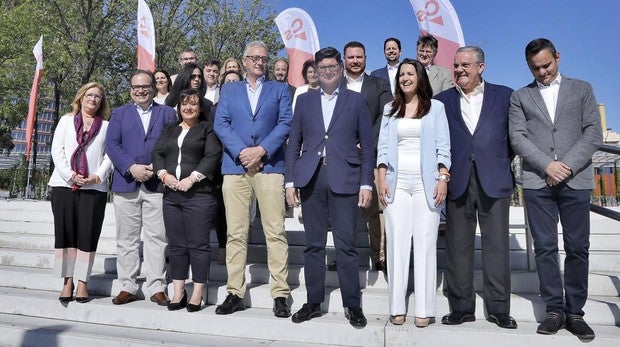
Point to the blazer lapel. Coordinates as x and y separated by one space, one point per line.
455 104
266 89
432 73
342 98
539 102
154 116
487 104
563 94
137 120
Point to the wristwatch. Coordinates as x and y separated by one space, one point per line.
444 177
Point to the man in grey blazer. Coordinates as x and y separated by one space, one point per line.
440 77
555 127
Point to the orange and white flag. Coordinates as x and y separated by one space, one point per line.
32 102
438 18
300 39
146 37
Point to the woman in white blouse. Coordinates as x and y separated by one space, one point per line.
79 188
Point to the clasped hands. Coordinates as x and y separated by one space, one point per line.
557 172
183 185
251 158
141 172
80 180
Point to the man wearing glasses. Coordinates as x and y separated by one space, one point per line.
187 56
440 77
334 179
133 131
479 189
253 120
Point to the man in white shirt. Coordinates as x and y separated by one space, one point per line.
392 51
211 72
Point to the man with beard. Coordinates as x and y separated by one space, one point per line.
391 50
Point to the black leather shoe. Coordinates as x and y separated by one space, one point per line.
307 312
231 304
552 323
456 318
503 321
173 306
355 315
280 308
576 325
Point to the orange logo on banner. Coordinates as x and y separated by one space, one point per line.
431 8
296 26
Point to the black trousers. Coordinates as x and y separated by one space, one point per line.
474 206
573 208
319 206
188 218
78 217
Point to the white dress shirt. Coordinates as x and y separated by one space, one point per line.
550 95
355 84
471 105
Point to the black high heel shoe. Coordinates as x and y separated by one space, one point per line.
194 308
82 299
66 299
174 306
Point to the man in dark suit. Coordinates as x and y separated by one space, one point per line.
391 50
132 134
334 177
555 127
252 121
376 92
480 188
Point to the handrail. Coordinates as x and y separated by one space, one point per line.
609 149
601 210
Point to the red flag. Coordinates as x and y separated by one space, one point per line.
300 39
438 18
146 37
32 103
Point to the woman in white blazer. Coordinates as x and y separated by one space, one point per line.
413 162
79 188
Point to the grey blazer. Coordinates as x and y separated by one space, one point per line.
572 138
440 78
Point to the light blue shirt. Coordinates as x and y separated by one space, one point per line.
328 104
254 94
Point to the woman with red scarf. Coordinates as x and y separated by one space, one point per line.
79 188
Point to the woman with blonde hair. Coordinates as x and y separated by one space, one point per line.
230 64
79 188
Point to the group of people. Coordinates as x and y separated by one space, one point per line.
410 138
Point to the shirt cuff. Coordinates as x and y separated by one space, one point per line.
366 187
289 185
199 177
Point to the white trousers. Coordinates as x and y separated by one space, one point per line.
140 212
407 217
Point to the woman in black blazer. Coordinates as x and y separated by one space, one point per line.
187 159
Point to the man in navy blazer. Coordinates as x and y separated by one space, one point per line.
480 188
132 134
391 50
253 120
555 127
334 177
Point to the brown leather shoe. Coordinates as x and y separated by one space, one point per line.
160 298
124 297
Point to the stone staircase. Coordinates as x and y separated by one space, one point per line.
30 314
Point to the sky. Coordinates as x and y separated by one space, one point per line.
585 32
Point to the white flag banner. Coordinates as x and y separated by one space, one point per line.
32 101
146 37
438 18
300 39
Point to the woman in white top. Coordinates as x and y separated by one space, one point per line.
413 159
311 78
163 83
79 188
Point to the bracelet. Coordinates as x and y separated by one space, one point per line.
163 178
444 173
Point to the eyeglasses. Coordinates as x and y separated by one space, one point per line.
257 58
325 68
425 51
93 96
194 76
136 88
465 66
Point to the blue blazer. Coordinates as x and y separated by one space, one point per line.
127 144
381 73
237 127
434 149
488 147
348 168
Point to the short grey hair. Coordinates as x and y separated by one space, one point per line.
479 52
253 44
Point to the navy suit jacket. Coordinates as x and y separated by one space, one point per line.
488 147
127 144
237 127
347 167
381 73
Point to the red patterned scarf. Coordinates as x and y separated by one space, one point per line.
79 162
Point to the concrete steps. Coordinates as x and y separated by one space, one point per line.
30 314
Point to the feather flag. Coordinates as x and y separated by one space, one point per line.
438 18
32 103
300 39
146 37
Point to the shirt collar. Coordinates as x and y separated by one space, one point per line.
477 91
140 110
356 80
335 93
395 67
555 82
259 80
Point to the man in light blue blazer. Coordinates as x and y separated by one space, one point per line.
132 134
253 121
555 127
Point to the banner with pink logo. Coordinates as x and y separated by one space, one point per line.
300 39
438 18
32 102
146 37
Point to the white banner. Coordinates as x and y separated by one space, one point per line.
146 37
